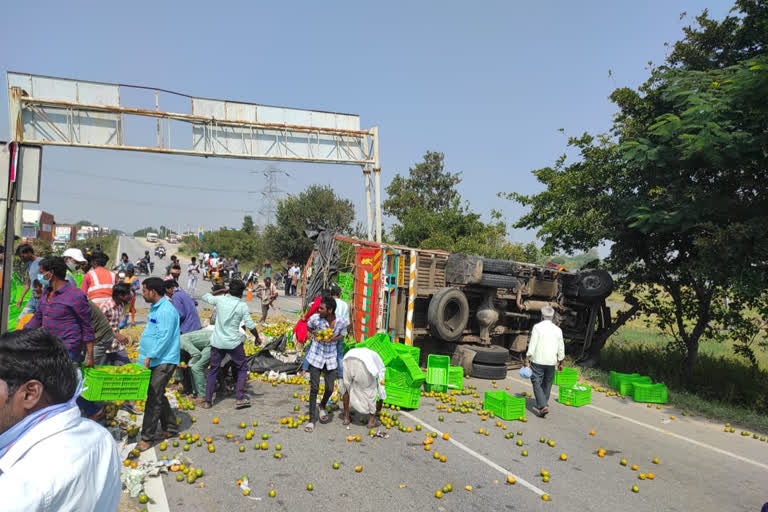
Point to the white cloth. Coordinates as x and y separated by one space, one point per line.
360 385
546 346
373 363
66 463
342 309
294 270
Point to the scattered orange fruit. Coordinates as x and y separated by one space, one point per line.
591 432
216 420
446 436
511 479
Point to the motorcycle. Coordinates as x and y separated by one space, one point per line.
142 269
251 277
160 252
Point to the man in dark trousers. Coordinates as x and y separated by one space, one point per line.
158 351
546 351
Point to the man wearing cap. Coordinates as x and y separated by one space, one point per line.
74 259
546 351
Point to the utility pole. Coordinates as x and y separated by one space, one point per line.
270 194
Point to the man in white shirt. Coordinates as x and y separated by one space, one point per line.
364 373
546 351
50 457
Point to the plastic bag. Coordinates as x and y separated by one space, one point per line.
525 372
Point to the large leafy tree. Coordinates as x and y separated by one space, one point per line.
680 190
317 207
430 214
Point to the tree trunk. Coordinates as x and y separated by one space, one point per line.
691 356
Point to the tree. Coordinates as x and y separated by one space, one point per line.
248 226
317 207
431 215
428 185
144 231
680 189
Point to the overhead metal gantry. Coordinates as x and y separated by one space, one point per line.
46 110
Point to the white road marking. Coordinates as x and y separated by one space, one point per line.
667 432
154 488
476 455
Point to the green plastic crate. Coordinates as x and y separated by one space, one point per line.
349 346
504 405
396 375
402 396
566 378
615 377
103 385
414 352
382 345
415 376
455 377
575 395
626 384
437 373
649 393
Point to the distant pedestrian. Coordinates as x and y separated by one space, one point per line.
228 339
193 273
295 275
27 254
288 279
50 457
321 357
546 352
158 351
268 296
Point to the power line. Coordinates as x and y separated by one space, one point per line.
141 182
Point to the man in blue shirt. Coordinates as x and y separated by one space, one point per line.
158 351
27 255
189 320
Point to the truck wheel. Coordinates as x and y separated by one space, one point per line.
499 281
489 371
505 267
595 284
448 314
493 355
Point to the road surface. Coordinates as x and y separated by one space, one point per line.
700 467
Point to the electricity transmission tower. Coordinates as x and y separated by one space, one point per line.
270 194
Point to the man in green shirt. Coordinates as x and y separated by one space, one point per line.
198 345
227 338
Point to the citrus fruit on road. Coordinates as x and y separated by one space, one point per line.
143 498
358 469
623 462
519 442
511 479
563 456
335 465
438 494
265 436
446 436
216 421
211 448
655 460
310 487
272 493
635 488
545 497
524 453
241 448
265 446
278 447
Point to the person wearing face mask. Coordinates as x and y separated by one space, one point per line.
64 312
74 260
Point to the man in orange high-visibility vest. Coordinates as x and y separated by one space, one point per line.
98 281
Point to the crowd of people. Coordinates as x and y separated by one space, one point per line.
72 326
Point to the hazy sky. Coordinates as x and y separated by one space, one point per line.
487 83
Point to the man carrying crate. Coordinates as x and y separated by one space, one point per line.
158 351
546 351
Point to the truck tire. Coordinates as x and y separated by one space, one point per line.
504 267
595 284
493 355
448 314
489 371
499 281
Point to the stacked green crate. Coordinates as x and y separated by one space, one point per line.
404 378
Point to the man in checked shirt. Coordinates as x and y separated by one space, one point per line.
64 312
322 357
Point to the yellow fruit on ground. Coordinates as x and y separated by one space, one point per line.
511 479
545 479
438 494
143 498
427 447
443 458
650 476
211 448
272 493
358 469
635 488
446 436
634 467
563 456
641 476
246 492
655 460
545 497
216 421
468 487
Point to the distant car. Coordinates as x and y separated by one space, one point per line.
59 246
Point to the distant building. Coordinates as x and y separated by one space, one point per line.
36 225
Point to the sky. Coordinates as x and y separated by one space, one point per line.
487 83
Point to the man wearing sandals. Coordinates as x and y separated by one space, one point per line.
364 373
158 351
231 312
322 357
545 352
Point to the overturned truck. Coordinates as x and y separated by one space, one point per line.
464 305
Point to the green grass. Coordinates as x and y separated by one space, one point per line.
724 386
